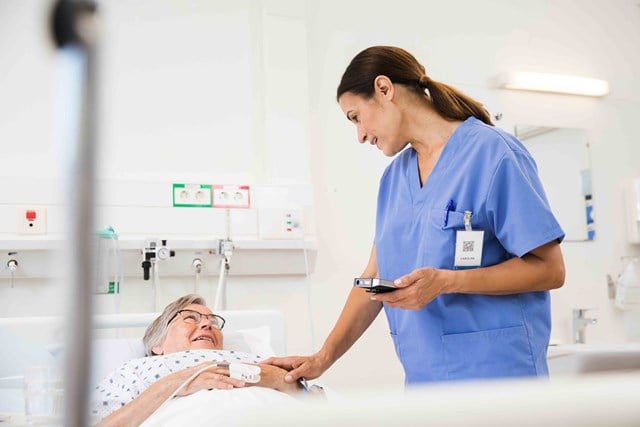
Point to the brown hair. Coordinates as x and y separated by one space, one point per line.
403 68
157 330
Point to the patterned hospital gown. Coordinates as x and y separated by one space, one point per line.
132 378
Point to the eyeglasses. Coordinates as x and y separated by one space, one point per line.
192 316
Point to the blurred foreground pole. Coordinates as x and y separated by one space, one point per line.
75 32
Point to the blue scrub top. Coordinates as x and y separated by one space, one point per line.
459 336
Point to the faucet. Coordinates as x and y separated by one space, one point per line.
580 323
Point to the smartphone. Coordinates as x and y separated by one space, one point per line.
374 285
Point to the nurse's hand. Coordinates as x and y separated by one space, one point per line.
273 377
308 367
416 289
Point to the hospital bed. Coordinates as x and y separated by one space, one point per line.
117 339
585 401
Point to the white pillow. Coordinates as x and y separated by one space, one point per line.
250 340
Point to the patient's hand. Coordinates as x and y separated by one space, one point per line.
273 377
212 378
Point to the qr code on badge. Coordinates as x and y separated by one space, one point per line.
467 246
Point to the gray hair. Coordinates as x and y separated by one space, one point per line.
157 330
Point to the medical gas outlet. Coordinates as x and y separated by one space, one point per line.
12 267
152 253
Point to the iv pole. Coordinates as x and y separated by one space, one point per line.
73 26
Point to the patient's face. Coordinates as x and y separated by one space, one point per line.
182 335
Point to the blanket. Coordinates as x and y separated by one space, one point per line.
218 408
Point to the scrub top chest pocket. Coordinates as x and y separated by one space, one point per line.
451 244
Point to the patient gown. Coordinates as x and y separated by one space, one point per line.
132 378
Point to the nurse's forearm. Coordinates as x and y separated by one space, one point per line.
540 270
357 315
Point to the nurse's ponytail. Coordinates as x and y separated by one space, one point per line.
402 68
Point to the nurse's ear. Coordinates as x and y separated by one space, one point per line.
383 86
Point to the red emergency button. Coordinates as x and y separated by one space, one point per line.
31 215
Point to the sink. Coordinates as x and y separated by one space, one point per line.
576 359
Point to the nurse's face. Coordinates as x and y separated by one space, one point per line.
377 120
187 332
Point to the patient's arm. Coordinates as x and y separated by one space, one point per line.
139 409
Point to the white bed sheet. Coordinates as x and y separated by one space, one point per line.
219 408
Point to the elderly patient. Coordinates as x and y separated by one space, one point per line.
186 337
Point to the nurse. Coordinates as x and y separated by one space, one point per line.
463 227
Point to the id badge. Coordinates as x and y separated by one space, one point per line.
468 249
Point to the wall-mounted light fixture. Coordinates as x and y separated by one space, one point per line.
556 83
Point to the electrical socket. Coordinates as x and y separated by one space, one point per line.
231 196
192 195
32 221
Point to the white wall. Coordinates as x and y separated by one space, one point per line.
189 93
245 91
